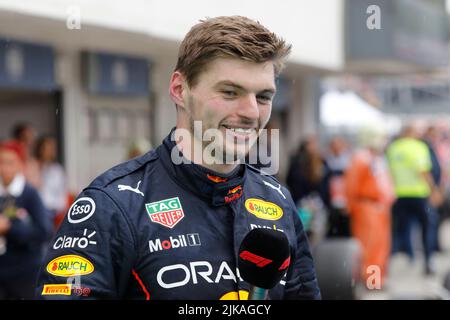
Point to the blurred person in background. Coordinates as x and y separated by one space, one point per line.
432 139
307 171
410 166
370 195
307 179
25 134
24 226
443 152
53 187
337 159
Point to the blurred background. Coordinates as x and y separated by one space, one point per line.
92 77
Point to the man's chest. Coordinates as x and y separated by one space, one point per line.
189 249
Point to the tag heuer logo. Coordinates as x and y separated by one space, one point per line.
167 212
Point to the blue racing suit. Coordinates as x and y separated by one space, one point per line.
152 229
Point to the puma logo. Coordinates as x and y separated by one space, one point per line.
123 187
275 188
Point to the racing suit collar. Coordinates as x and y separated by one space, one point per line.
219 189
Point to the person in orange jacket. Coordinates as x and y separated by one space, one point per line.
370 196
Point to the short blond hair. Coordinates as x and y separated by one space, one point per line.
229 37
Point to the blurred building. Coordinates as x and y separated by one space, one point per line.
96 73
395 72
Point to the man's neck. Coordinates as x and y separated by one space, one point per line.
196 156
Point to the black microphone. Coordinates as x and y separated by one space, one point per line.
264 257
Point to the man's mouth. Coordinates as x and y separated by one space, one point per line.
240 131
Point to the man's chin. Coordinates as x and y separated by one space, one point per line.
235 155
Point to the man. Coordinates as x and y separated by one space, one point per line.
24 226
168 224
410 165
25 134
431 139
337 159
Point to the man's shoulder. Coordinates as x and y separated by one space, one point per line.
417 148
260 175
29 191
269 183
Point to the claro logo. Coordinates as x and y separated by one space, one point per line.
263 209
70 265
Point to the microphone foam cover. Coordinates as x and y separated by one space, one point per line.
264 257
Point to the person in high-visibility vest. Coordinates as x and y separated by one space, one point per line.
410 164
370 196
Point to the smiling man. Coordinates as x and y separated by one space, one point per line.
156 227
231 96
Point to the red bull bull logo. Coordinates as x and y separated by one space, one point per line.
216 179
233 194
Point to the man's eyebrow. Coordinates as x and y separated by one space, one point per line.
239 87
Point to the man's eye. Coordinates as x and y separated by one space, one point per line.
229 93
264 99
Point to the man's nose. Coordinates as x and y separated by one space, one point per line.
248 107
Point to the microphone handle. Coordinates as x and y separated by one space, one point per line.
257 293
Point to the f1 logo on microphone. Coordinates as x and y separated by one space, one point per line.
253 258
285 264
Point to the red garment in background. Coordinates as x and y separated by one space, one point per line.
370 195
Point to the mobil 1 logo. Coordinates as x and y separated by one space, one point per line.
181 241
81 210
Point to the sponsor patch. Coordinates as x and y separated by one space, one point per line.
235 295
216 179
253 226
81 291
190 239
81 210
166 212
263 209
57 289
70 265
233 194
81 242
195 272
65 289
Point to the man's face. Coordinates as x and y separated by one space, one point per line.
338 146
49 150
10 165
28 136
234 97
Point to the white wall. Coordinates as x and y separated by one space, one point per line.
315 28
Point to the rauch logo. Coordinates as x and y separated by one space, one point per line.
263 209
70 265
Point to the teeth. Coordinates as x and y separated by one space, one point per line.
241 130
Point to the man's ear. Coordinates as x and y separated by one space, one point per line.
177 88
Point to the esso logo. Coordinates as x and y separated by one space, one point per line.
81 210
